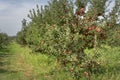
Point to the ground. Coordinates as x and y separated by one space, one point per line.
19 63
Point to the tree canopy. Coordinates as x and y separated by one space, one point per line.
65 28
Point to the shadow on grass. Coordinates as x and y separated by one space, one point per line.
7 71
4 61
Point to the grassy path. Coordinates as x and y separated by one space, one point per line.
5 70
18 63
8 65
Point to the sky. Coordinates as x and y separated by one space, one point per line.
12 13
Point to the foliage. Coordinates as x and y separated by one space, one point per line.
20 35
113 37
60 30
3 40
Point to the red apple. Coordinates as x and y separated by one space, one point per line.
98 29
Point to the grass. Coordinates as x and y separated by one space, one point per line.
19 63
109 57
